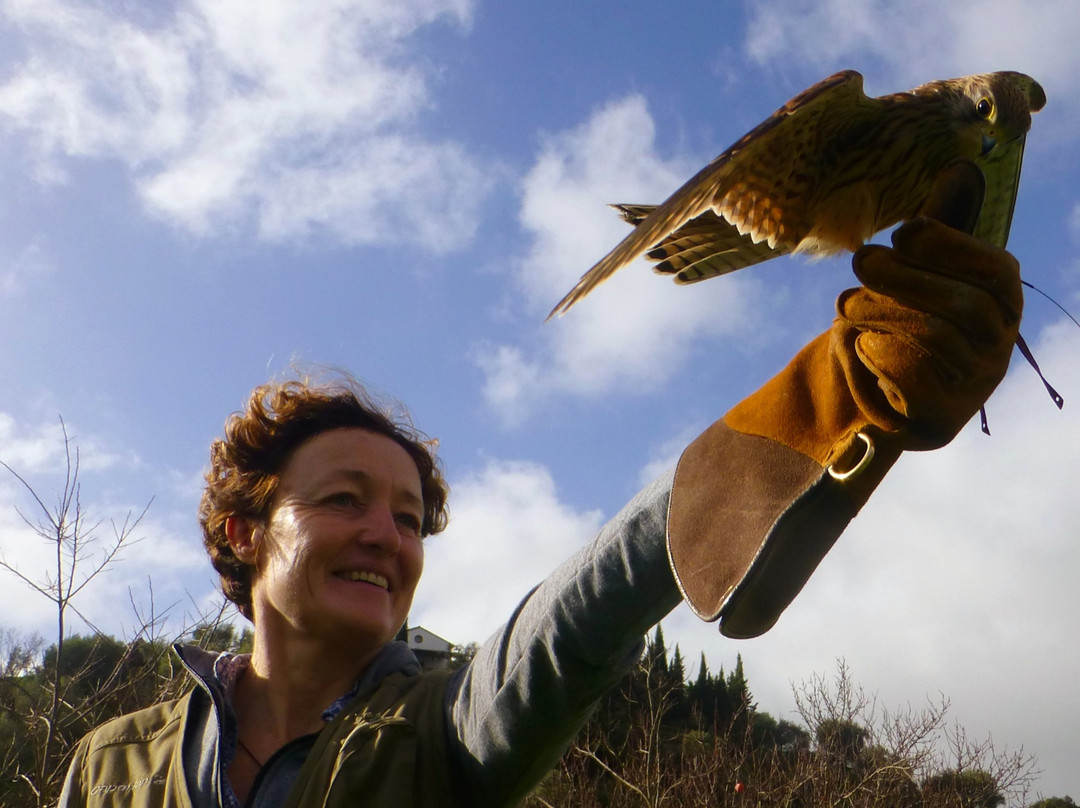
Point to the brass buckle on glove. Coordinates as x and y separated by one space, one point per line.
858 468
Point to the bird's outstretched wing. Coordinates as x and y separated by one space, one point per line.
749 185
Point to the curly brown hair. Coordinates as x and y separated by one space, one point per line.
245 465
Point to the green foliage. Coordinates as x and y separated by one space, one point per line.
461 655
783 735
91 658
660 741
841 739
964 789
216 635
1054 802
96 678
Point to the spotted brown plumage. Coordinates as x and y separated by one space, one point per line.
828 170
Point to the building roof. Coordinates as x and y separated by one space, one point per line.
420 639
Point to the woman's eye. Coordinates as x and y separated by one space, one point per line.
409 523
343 500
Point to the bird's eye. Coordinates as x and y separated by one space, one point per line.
985 107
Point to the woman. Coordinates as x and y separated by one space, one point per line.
317 504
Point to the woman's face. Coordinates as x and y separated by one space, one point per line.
341 553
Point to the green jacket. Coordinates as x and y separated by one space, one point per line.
386 748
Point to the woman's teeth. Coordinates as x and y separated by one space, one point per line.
366 577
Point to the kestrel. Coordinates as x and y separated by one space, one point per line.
828 170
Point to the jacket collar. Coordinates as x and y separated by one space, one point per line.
216 742
394 657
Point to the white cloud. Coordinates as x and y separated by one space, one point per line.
970 36
29 450
40 448
153 550
149 576
20 607
296 118
1074 222
901 45
636 329
508 530
666 454
33 262
158 573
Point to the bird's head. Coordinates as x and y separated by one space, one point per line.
997 106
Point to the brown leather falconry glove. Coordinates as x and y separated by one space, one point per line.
761 496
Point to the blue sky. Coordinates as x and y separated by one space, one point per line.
193 195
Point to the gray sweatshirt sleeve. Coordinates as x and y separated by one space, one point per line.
519 704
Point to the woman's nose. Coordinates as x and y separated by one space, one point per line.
381 528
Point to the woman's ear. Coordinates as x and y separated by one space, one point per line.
245 537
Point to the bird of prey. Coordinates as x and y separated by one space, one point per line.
829 169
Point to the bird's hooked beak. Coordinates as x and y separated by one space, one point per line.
988 144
